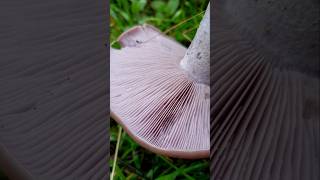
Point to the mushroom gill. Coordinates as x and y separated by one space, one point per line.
264 92
154 99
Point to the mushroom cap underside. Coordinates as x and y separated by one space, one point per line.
264 121
154 100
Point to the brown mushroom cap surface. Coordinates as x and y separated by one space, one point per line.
155 101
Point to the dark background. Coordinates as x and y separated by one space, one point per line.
54 89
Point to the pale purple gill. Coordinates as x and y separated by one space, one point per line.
159 91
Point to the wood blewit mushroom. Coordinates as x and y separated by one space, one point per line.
159 91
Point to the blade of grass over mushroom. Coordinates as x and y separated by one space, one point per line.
161 16
169 53
130 150
115 44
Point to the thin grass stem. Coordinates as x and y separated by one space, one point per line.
116 153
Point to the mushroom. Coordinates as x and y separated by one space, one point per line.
53 84
159 90
265 84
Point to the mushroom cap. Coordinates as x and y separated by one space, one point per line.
154 100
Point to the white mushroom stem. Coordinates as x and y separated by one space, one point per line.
196 61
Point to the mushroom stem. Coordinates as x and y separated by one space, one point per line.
196 61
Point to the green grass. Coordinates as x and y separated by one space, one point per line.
162 14
133 161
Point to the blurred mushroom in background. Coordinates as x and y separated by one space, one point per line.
265 90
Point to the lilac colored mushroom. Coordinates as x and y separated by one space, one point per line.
159 90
